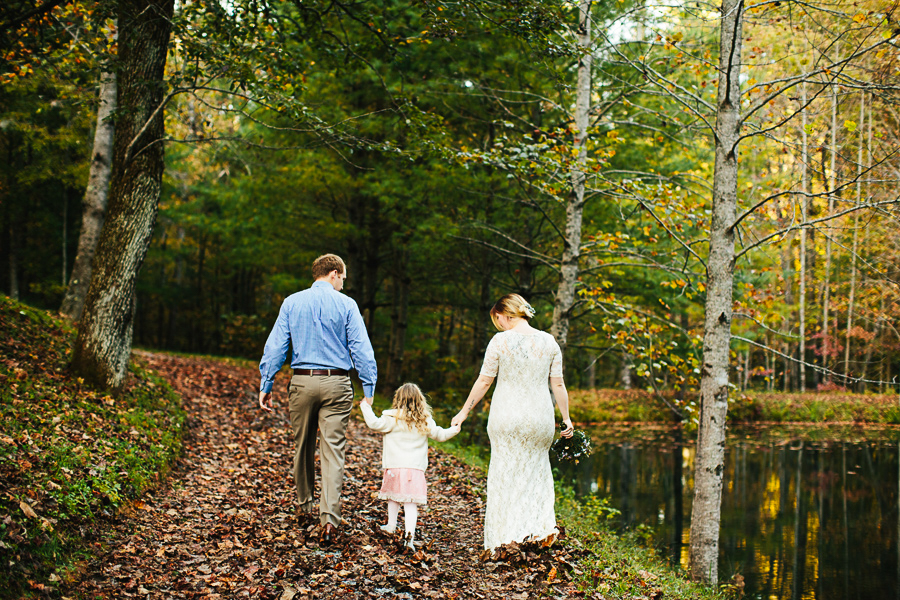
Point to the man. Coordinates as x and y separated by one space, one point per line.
328 338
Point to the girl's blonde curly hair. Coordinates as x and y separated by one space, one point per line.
412 407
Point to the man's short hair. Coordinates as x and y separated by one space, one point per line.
325 264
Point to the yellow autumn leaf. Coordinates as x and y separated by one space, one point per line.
859 18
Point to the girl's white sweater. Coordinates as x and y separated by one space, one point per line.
404 448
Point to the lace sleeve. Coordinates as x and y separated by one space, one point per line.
491 363
556 367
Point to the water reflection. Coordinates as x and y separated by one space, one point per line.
805 515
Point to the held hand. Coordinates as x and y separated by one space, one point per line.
265 401
368 401
569 429
458 419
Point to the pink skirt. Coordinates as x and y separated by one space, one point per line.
404 485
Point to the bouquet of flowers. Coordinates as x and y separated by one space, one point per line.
573 449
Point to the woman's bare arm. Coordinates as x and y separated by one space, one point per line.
558 386
479 389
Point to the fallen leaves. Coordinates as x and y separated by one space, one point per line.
29 512
226 524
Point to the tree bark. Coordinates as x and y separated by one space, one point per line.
625 373
710 460
400 283
803 218
832 184
13 261
103 345
855 247
568 277
94 201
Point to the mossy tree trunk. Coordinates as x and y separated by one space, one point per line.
103 346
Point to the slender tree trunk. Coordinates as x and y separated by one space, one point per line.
65 236
12 150
399 322
625 373
568 277
803 217
592 372
870 346
94 201
103 345
13 263
870 343
710 460
851 300
826 285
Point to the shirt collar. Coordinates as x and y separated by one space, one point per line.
322 284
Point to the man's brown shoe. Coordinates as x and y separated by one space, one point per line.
329 534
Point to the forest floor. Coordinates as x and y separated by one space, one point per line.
224 524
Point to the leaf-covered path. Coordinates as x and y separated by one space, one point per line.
224 525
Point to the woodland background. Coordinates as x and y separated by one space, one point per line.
429 144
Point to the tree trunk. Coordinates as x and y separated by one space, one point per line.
399 321
103 345
710 460
803 218
626 372
13 261
855 247
832 184
65 235
94 201
568 276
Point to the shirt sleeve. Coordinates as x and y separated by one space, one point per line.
361 352
556 366
439 433
275 350
382 424
491 364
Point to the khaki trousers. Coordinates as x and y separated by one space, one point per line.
322 403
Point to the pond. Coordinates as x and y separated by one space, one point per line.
806 513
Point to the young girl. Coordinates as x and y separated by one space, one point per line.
407 427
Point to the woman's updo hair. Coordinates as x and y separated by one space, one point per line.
512 306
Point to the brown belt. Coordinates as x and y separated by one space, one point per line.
325 372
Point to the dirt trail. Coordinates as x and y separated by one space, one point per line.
224 526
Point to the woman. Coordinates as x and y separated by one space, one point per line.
521 424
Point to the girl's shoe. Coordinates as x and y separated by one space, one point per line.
387 529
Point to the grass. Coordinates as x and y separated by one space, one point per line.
70 456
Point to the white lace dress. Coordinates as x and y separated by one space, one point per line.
521 427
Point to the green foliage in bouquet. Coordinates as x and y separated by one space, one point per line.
573 449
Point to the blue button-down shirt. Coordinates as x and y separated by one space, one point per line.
326 331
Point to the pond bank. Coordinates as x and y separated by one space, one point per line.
610 406
807 512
